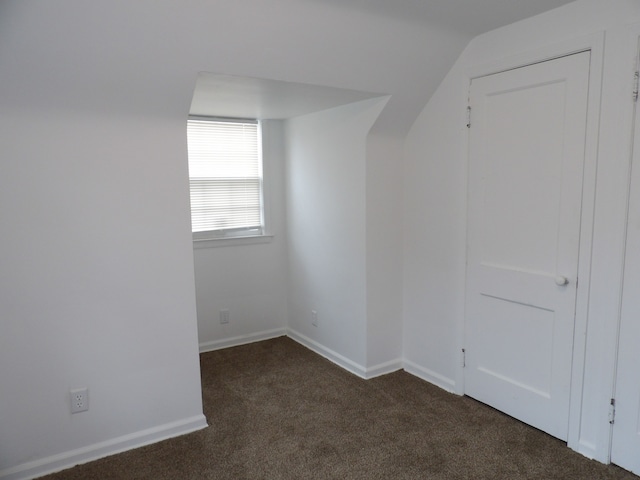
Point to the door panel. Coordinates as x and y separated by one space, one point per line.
527 141
625 447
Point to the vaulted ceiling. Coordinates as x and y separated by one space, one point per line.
118 56
470 17
224 95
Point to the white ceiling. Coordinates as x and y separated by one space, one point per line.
143 56
246 97
471 17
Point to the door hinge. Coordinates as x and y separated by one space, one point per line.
612 411
463 358
636 85
469 116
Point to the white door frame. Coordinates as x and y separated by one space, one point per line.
595 44
632 37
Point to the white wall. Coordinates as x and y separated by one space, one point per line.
326 229
435 196
96 288
434 212
248 279
251 280
384 254
96 264
107 85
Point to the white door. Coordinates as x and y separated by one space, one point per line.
527 145
625 447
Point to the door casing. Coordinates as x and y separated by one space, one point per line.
595 44
621 444
522 238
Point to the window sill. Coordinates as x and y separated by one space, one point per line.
231 241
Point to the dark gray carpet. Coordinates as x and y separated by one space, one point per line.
279 411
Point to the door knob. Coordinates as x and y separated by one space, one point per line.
561 281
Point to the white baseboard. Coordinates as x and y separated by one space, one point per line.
344 362
384 368
329 354
241 340
430 376
69 459
55 463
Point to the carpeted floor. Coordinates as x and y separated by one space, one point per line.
279 411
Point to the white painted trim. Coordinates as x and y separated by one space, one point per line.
594 41
384 368
587 449
430 376
464 86
329 354
241 340
231 241
65 460
630 36
595 44
341 361
574 440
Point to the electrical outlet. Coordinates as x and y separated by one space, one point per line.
79 400
314 318
224 316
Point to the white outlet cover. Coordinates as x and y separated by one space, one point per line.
79 399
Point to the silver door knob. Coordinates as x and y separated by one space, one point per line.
561 281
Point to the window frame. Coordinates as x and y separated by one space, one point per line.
238 236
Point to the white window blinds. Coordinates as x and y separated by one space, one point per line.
225 176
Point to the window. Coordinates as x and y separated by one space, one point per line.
225 177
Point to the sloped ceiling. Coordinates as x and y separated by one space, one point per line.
470 17
244 97
224 95
143 57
